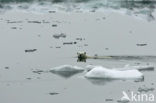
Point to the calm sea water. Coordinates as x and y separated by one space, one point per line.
101 33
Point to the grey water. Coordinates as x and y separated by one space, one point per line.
20 84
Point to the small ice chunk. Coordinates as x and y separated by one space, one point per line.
53 93
57 36
123 101
30 50
141 44
102 72
109 99
145 89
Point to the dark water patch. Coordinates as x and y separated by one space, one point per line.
6 68
1 6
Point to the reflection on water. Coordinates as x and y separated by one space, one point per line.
66 74
100 81
107 80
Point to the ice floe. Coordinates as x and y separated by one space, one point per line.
128 67
99 72
66 70
102 72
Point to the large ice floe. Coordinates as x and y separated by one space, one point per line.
66 70
99 72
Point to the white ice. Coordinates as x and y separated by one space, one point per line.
67 68
102 72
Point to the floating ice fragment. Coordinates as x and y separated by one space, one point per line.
54 25
54 93
38 22
30 50
145 89
66 70
141 44
102 72
57 36
123 101
38 71
108 100
69 43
